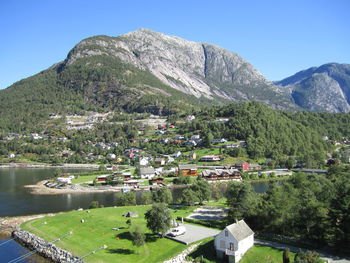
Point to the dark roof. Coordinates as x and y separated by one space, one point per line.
240 230
187 167
147 170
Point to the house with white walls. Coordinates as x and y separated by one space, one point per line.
234 241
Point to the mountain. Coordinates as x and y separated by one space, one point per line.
325 88
142 71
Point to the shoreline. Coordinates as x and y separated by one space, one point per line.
10 223
40 189
63 166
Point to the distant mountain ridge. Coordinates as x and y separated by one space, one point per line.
147 71
198 69
325 88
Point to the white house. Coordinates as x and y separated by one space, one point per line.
144 161
111 156
11 155
234 241
147 172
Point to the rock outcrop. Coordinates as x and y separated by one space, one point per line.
44 248
198 69
325 88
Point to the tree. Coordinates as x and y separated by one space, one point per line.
202 190
162 195
216 191
94 204
307 257
189 197
158 218
207 139
182 179
286 258
242 200
146 198
124 199
137 236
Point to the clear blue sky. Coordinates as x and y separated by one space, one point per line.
278 37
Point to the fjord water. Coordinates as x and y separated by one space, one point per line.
15 199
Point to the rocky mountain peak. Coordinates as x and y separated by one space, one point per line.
323 88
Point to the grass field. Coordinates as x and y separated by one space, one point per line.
256 254
97 231
264 254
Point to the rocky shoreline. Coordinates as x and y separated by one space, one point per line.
40 188
44 248
9 224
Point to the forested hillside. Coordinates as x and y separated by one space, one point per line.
282 136
311 207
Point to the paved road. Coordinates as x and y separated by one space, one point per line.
329 258
209 213
195 233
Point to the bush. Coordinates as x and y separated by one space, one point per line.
94 204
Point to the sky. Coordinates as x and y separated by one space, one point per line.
278 37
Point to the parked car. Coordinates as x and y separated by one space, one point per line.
180 230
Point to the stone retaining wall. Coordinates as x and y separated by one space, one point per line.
44 248
181 258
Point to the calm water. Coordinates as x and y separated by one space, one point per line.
10 250
16 200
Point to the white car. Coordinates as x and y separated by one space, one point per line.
180 230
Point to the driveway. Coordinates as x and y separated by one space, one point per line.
325 256
209 213
194 233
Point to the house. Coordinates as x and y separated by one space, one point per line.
195 137
254 167
65 180
222 174
177 154
190 143
126 176
133 183
144 161
193 156
222 140
210 158
160 132
11 155
234 241
102 178
159 161
147 172
157 181
187 169
111 156
236 145
190 118
242 166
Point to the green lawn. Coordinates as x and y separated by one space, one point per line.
261 254
97 231
220 203
256 254
83 179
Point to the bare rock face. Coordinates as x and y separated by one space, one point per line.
325 88
198 69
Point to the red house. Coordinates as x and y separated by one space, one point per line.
242 166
